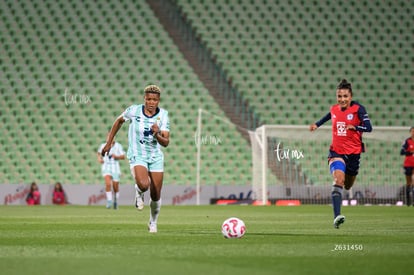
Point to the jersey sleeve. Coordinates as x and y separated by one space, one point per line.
365 121
324 119
120 150
127 114
404 147
100 148
165 122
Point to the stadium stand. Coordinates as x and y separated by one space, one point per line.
288 47
286 57
68 68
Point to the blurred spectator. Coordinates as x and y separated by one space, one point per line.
59 195
407 150
33 198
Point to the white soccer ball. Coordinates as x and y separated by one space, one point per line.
233 228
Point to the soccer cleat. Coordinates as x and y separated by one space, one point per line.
338 221
115 205
152 227
108 204
139 201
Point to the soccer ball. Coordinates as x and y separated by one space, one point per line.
233 228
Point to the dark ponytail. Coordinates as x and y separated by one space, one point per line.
344 84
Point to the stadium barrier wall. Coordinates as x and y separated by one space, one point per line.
94 194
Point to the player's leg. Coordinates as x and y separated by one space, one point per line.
408 190
352 168
155 202
141 177
408 171
157 176
108 190
337 168
156 186
115 186
412 185
116 177
349 181
142 183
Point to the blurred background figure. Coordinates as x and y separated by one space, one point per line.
33 198
111 171
407 150
59 195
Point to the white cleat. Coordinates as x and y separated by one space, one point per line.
338 221
152 227
139 201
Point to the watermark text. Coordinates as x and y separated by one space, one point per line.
206 140
287 153
72 99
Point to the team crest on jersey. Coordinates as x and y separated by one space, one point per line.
341 128
350 116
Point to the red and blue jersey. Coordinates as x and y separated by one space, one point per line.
346 141
33 198
59 197
407 149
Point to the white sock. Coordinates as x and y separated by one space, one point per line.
109 196
117 196
155 210
138 190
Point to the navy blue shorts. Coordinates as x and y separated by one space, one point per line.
351 162
408 171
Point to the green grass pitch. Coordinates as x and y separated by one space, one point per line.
279 240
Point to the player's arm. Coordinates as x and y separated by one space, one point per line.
317 124
365 125
404 151
120 156
114 130
100 159
163 137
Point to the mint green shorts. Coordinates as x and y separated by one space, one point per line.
154 166
115 176
113 171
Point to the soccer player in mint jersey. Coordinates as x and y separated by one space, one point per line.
111 172
349 121
149 130
407 150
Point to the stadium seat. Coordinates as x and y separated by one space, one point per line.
91 63
290 66
263 48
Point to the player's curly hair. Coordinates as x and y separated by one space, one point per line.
344 84
154 89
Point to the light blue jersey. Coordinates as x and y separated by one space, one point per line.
111 166
142 144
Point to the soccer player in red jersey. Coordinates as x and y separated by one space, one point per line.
407 150
349 121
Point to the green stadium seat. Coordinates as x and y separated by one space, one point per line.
267 60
